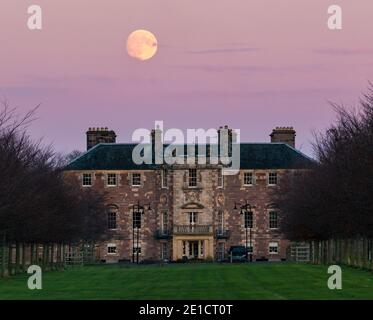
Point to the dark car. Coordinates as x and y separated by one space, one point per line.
237 254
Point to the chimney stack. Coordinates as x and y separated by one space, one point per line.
157 145
99 135
232 138
284 134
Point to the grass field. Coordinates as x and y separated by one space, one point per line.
193 281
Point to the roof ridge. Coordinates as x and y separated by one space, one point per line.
300 152
258 154
83 154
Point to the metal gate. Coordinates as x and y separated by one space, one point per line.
73 257
300 252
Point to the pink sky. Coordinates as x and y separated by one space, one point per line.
251 64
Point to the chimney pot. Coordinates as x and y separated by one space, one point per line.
96 135
284 134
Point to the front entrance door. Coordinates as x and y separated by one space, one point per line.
193 249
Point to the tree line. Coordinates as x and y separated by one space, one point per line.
38 204
334 198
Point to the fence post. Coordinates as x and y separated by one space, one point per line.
370 254
52 256
4 270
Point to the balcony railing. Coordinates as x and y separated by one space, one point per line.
163 234
193 229
222 233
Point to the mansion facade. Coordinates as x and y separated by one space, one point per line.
182 212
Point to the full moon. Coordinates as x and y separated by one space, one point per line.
141 45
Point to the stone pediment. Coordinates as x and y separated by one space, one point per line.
192 205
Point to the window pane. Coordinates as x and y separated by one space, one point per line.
192 217
164 178
136 179
164 251
272 178
111 249
165 220
111 179
192 177
273 220
112 220
220 178
137 249
221 219
250 249
87 179
248 219
137 219
248 178
273 247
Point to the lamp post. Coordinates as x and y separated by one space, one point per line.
137 211
246 209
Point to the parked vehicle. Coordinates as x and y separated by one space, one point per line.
237 254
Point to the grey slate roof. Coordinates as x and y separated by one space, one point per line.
118 156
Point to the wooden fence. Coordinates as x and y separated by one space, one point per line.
352 252
17 257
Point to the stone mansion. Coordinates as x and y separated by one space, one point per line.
176 212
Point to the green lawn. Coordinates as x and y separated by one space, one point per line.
193 281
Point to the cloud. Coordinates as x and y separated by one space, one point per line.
224 50
343 51
253 69
65 79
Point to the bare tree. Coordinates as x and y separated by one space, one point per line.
37 203
334 198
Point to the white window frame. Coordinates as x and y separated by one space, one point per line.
192 218
190 178
246 215
252 179
83 179
250 249
108 179
136 246
201 248
165 252
221 221
132 179
111 211
268 178
111 245
269 219
137 217
220 178
165 223
273 245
